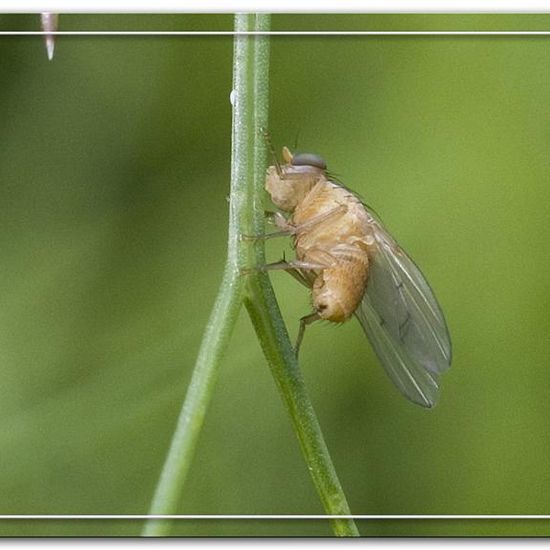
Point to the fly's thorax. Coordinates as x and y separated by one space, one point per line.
289 187
346 219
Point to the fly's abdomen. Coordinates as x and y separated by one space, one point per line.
338 290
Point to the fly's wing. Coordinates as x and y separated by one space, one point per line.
403 320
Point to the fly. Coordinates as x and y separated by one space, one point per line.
354 267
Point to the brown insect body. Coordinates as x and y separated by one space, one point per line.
330 229
355 267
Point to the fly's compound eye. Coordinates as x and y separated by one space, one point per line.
309 159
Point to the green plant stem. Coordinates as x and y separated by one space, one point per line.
250 113
264 311
223 316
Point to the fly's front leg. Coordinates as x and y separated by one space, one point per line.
287 228
276 218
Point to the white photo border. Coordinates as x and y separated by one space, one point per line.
391 5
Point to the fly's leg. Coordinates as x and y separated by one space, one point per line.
299 276
295 268
275 218
321 218
321 259
304 322
293 265
290 267
266 236
287 228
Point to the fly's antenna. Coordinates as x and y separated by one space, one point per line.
269 144
296 140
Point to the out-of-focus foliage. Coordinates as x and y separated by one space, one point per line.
114 169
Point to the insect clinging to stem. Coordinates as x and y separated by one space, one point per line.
354 267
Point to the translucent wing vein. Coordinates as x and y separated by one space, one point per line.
403 321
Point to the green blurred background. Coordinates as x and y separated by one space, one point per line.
114 172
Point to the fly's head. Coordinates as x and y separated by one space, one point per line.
290 182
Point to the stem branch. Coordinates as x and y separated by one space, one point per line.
222 319
264 311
